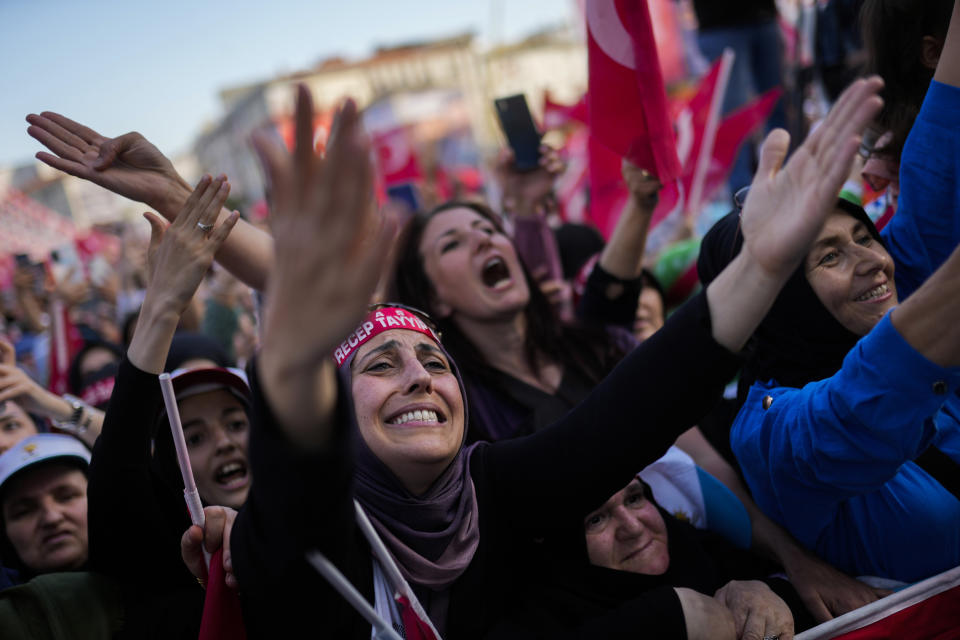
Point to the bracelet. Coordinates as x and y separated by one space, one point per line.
79 420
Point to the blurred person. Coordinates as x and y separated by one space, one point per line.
650 308
67 413
904 41
15 425
487 502
43 493
750 28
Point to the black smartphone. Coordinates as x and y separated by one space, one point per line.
521 131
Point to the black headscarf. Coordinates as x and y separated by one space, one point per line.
799 340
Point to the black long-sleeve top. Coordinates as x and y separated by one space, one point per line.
528 489
136 515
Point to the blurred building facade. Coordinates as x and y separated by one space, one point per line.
437 86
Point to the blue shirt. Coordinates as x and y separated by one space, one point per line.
831 462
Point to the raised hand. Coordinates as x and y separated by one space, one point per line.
330 242
527 192
644 187
16 385
785 210
128 165
178 258
786 207
331 247
180 255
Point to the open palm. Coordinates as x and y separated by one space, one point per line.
786 207
129 165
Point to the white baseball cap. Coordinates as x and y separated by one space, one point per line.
41 448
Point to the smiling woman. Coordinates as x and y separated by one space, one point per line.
834 433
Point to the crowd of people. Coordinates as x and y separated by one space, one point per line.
477 450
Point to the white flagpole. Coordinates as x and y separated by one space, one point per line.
190 493
710 132
337 580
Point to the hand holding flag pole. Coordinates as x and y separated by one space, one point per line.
190 493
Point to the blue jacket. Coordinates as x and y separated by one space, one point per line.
832 461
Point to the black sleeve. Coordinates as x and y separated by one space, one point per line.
629 420
135 518
596 308
299 501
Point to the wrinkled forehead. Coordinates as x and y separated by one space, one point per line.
395 339
41 479
839 221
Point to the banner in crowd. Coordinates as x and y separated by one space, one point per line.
926 610
397 160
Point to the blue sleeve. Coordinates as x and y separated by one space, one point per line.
815 447
926 227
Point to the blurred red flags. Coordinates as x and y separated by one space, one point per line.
626 100
396 159
557 115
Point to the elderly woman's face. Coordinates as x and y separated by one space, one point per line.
45 513
473 267
628 534
851 273
408 403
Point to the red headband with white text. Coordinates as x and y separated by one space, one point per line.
378 321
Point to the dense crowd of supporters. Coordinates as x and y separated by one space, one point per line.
480 451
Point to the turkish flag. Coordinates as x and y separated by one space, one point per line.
705 145
627 103
222 617
396 160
